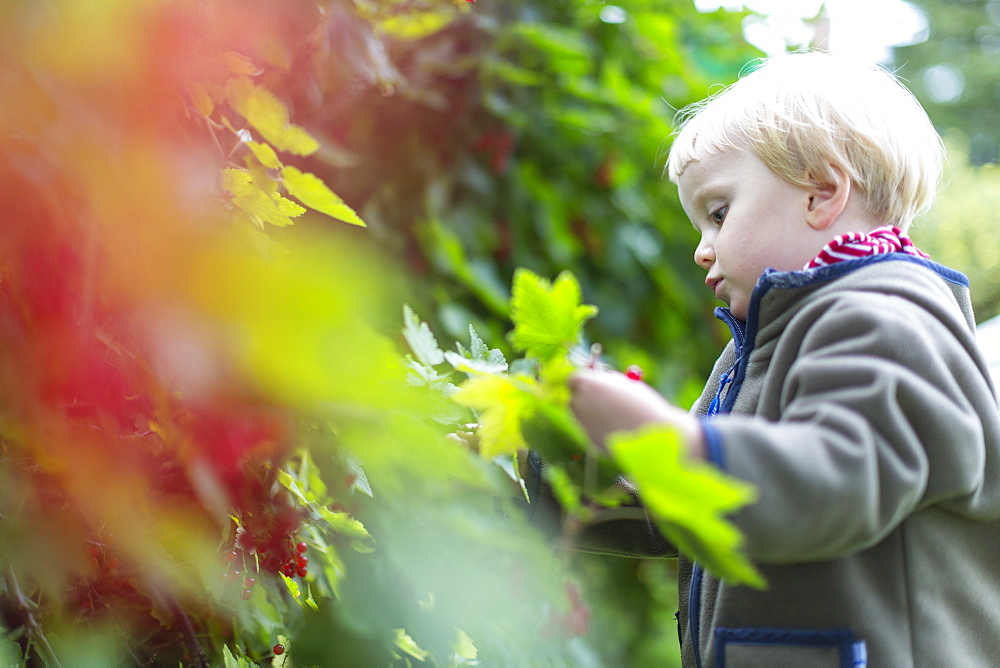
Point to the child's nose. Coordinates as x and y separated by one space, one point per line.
704 255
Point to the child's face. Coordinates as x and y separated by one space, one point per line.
749 219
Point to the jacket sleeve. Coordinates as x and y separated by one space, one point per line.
873 409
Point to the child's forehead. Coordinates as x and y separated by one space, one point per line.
701 163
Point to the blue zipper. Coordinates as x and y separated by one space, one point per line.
697 573
694 612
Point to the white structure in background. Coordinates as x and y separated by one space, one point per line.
862 29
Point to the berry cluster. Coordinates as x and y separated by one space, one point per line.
293 562
289 561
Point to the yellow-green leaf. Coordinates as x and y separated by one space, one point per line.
414 24
547 316
265 154
502 402
293 589
311 191
404 642
269 115
250 197
688 500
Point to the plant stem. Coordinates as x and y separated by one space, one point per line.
32 628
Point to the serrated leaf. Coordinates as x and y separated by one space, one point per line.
250 197
237 63
502 402
420 339
292 485
231 661
688 500
477 348
464 648
360 477
346 525
269 115
293 589
404 642
265 154
547 316
473 366
201 100
311 191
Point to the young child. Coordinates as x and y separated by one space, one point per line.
852 395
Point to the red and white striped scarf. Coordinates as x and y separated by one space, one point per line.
854 245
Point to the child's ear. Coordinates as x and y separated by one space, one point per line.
828 199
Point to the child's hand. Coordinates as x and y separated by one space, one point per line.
608 401
467 436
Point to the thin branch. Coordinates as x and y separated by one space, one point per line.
32 628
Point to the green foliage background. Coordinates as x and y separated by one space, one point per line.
473 139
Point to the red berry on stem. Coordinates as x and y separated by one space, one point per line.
302 571
231 556
301 547
249 583
246 594
278 649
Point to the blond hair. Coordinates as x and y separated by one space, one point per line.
806 112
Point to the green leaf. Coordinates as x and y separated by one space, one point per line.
547 317
269 115
231 661
464 647
311 191
346 525
471 366
250 197
404 642
420 339
293 589
688 500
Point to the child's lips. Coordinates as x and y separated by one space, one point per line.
714 284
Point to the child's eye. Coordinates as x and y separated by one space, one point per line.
719 215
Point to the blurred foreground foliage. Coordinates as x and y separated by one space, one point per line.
213 213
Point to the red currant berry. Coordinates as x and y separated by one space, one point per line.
302 561
302 571
634 372
231 556
288 570
301 547
249 583
246 594
278 650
